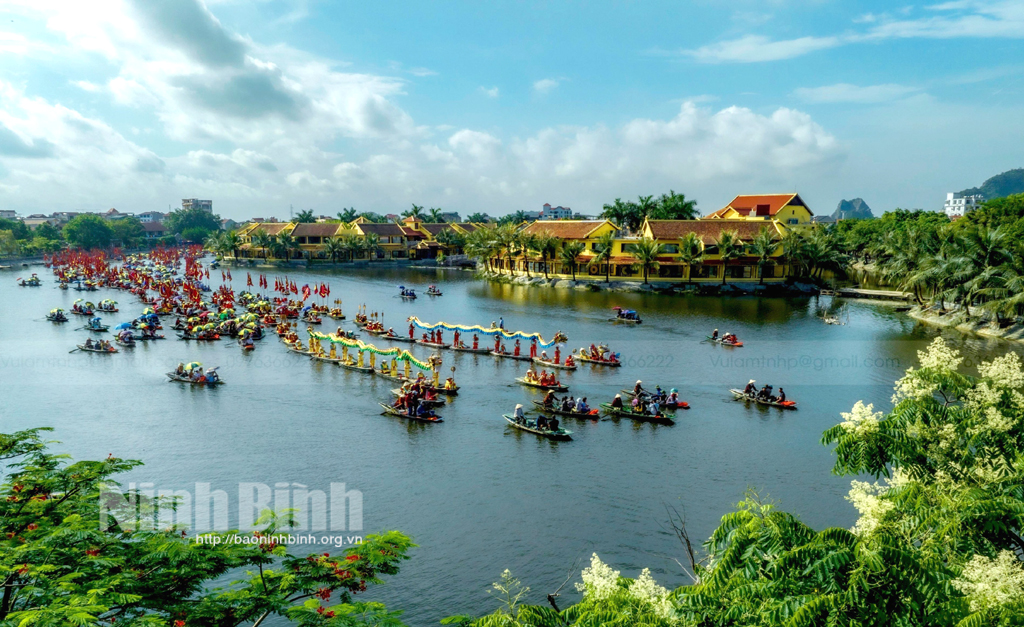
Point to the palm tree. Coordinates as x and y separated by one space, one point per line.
764 246
372 243
450 239
284 245
570 254
508 238
306 215
604 248
435 214
214 243
623 214
354 245
483 244
416 212
347 215
691 252
729 247
646 251
794 251
528 242
547 245
262 239
334 247
673 206
232 242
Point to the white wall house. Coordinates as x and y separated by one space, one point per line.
958 205
555 213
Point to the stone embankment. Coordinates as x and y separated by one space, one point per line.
977 324
599 285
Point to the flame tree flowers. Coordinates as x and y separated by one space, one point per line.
937 543
59 567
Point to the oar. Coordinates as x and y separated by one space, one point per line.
72 350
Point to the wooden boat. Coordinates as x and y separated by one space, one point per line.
719 341
561 434
592 414
105 351
100 329
664 405
511 356
196 338
402 379
598 362
53 318
394 411
146 338
470 349
532 384
351 364
83 312
760 401
300 349
437 402
174 376
626 320
121 342
437 345
434 293
551 364
397 338
661 419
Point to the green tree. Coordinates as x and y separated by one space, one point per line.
371 243
416 212
64 563
569 255
192 224
604 250
17 227
9 246
47 231
451 240
729 247
334 247
262 240
691 252
764 246
645 251
285 246
232 243
435 214
623 214
673 206
304 216
478 218
88 231
127 231
347 215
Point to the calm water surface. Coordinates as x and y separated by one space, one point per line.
476 496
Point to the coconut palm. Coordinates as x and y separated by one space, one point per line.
262 239
729 247
306 215
569 255
354 245
334 247
232 242
435 214
528 243
452 240
646 251
547 245
416 212
213 242
691 252
764 246
371 243
604 249
284 246
347 215
508 238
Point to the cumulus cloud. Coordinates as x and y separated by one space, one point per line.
845 92
491 92
545 85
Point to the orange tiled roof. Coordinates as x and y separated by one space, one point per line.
564 229
270 228
708 232
311 229
763 204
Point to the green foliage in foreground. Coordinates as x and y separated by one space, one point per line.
937 542
58 566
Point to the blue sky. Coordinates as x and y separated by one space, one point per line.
262 105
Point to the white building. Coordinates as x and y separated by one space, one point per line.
958 205
150 216
195 203
555 213
9 214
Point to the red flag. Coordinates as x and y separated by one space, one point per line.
207 273
229 275
305 292
248 280
295 290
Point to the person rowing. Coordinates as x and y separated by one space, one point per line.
714 335
550 399
519 416
617 402
638 389
782 396
751 389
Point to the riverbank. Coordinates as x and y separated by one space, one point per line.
979 325
791 288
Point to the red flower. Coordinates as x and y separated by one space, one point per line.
32 527
17 487
23 570
179 623
324 593
352 558
92 552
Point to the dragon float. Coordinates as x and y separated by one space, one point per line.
559 337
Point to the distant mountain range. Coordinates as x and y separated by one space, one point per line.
1000 185
855 209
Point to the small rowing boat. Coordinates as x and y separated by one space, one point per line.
762 401
126 344
661 402
436 402
437 345
599 362
719 341
143 338
106 351
592 414
632 415
627 316
198 338
552 364
396 338
174 376
100 329
394 411
470 349
511 356
354 365
530 426
534 384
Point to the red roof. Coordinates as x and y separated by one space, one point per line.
153 227
760 205
564 229
668 230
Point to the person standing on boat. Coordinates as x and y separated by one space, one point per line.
714 335
476 342
411 331
515 351
518 415
497 343
550 399
638 389
533 348
501 323
455 339
558 352
751 389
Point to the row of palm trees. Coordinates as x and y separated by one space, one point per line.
284 246
974 268
503 245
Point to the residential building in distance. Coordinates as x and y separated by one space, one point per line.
555 213
113 214
451 216
63 217
957 205
227 224
36 219
195 203
788 209
150 216
154 230
8 214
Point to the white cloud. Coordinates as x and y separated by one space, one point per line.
545 85
490 92
757 48
845 92
87 86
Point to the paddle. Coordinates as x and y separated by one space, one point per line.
73 350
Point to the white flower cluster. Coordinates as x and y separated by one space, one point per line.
912 386
939 356
992 582
646 589
867 498
861 420
599 580
1005 371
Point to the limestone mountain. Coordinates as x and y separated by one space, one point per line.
855 209
1001 185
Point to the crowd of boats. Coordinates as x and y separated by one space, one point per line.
168 283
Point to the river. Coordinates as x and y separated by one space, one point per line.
477 496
